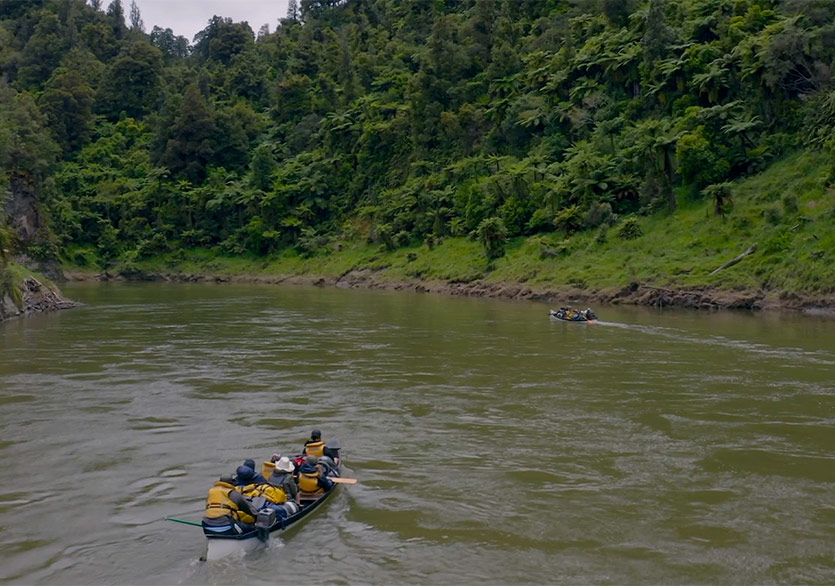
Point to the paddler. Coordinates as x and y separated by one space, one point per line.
225 506
311 480
314 446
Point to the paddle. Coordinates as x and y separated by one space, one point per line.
183 522
338 480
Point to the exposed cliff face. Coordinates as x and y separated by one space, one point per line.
20 208
20 204
34 297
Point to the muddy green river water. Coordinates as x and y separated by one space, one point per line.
492 444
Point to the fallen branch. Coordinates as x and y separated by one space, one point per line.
735 260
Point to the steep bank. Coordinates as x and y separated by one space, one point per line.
631 294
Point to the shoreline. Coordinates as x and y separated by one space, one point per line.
635 293
36 296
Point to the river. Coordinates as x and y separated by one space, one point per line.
493 445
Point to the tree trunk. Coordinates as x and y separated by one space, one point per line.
735 260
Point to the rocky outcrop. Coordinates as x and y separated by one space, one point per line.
20 205
35 297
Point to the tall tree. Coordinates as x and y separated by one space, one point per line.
67 102
172 46
42 51
26 147
222 39
136 23
293 11
191 145
116 16
131 83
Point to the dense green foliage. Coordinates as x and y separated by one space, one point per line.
400 124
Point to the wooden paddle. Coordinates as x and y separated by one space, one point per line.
338 480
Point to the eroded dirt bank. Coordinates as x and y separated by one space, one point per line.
34 297
631 294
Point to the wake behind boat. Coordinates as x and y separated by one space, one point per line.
575 315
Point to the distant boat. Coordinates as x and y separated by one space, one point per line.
571 314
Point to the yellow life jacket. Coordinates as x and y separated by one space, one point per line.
219 504
315 449
267 469
272 493
309 482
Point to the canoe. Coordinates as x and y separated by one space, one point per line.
573 315
220 545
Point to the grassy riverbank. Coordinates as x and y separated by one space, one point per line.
785 216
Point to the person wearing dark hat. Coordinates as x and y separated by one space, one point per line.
226 508
244 476
314 446
257 476
282 477
311 479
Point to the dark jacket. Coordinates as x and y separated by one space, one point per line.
284 480
242 503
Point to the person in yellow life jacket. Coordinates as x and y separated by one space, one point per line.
266 496
314 446
264 490
227 511
311 480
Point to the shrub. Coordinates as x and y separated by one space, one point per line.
541 221
630 230
154 245
741 223
492 234
569 219
402 238
515 214
383 233
43 249
311 242
652 194
598 214
194 237
779 242
789 204
108 240
772 215
700 161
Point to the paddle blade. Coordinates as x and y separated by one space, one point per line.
183 522
338 480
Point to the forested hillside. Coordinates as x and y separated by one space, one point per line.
404 124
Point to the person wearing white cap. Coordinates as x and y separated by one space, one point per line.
282 477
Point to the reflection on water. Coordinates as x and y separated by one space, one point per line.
492 444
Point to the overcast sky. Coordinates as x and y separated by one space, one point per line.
187 17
